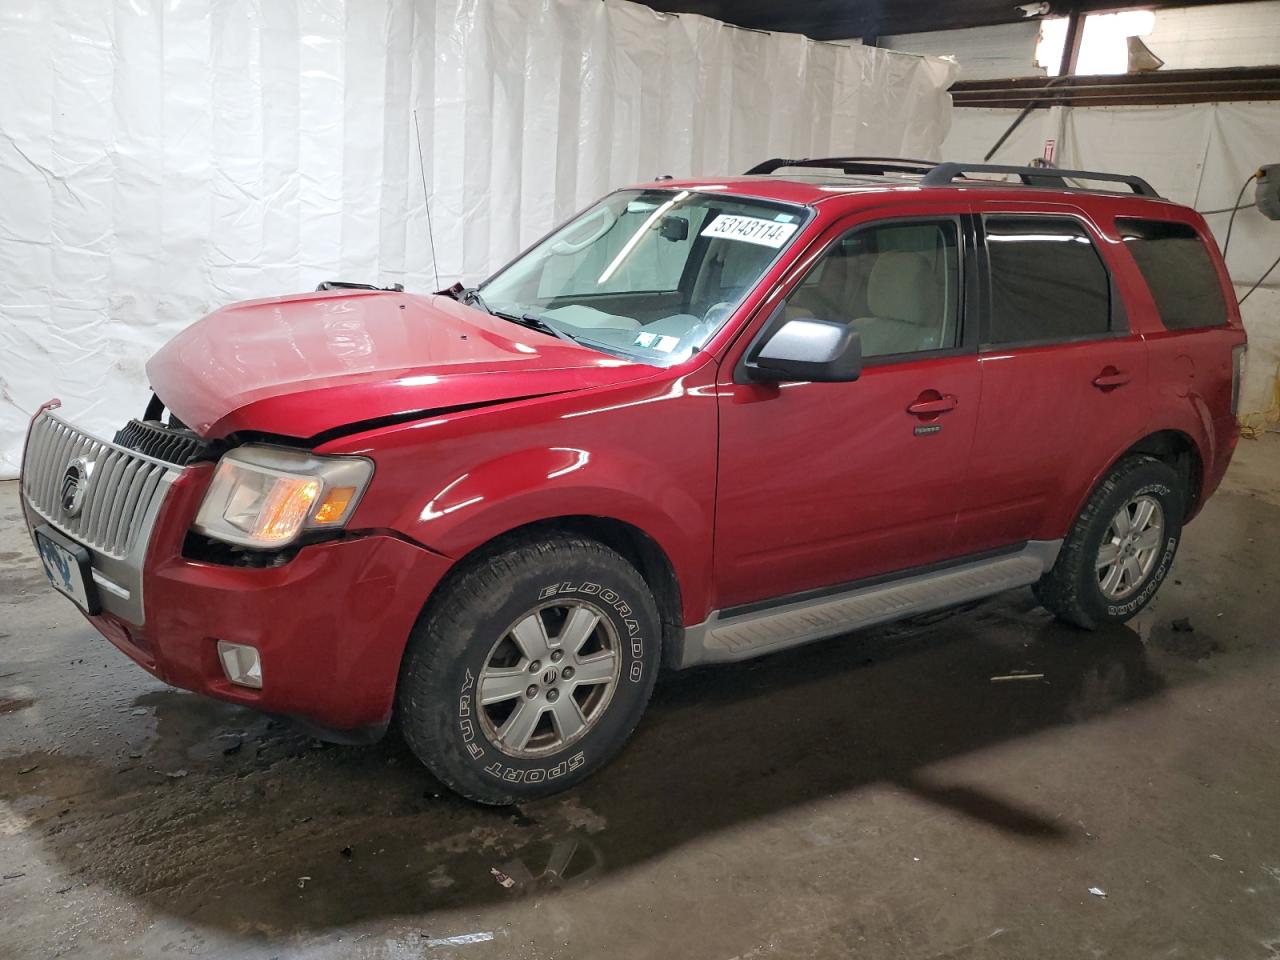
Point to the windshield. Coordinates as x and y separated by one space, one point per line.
646 274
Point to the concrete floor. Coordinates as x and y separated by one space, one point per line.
869 797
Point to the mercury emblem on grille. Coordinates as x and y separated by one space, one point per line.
75 484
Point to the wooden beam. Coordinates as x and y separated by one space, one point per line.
1161 87
1071 44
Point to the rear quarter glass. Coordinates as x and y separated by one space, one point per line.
1179 272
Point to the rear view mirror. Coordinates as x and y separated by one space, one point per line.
674 228
818 351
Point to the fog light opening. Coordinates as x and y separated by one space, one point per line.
241 664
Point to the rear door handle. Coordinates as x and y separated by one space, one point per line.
926 408
1110 378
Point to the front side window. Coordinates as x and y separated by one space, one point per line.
646 274
1047 281
1174 262
896 284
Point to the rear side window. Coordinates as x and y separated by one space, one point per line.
1178 271
1047 281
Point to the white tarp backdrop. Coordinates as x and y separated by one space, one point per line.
1198 154
159 158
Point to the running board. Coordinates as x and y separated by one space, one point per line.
739 637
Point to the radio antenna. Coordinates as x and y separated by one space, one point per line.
426 200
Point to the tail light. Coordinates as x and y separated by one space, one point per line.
1239 356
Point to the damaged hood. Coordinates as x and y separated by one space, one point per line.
304 365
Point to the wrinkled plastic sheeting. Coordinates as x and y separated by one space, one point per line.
1198 154
160 158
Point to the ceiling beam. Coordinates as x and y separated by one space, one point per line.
1162 87
844 19
1071 43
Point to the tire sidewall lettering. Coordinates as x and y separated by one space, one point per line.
634 635
1161 569
511 770
1154 579
509 773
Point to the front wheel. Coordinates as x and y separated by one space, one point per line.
1120 548
530 670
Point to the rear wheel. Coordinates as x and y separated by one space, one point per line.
531 669
1120 548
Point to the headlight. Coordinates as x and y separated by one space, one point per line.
266 496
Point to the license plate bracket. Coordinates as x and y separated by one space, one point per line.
68 567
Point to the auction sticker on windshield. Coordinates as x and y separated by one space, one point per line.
767 233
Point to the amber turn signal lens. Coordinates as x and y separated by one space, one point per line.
334 505
265 497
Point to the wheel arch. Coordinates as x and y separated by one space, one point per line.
1180 452
1172 446
635 545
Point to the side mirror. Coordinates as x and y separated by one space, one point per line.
818 351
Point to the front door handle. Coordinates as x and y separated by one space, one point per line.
933 405
1110 378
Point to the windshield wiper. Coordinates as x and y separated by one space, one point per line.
535 323
472 298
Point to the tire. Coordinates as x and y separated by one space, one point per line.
531 600
1081 589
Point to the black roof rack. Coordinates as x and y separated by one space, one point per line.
874 166
945 174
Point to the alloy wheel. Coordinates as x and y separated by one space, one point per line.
548 679
1130 547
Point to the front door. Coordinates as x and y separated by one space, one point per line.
822 484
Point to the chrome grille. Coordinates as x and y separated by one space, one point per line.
123 489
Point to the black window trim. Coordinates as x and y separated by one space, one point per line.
966 250
1117 319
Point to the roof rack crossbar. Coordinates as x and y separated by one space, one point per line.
865 165
943 174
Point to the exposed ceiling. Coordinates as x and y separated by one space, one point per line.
840 19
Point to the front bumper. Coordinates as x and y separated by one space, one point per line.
330 625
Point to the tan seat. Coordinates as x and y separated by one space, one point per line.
905 304
835 295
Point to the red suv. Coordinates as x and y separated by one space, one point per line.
702 421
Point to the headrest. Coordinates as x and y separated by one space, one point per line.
902 286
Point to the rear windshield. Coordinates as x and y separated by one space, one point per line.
1178 271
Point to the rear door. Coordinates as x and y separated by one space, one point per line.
821 484
1064 380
